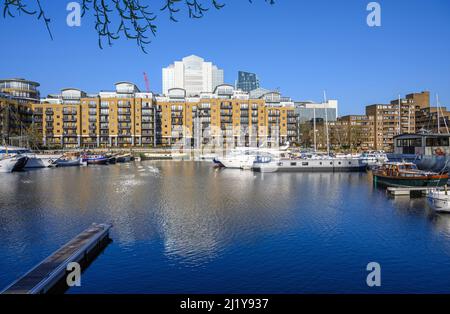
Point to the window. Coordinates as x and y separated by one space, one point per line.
305 163
293 164
411 142
439 141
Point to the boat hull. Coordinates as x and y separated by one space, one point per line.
70 163
319 165
410 182
41 161
97 161
7 165
123 159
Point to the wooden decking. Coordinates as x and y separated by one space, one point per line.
43 277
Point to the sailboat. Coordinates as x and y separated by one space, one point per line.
11 162
34 160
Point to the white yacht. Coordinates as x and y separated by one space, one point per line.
245 157
12 163
374 158
439 200
34 160
237 160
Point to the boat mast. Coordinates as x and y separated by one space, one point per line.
443 116
399 115
326 122
438 117
409 118
314 123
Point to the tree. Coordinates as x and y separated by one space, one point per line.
133 19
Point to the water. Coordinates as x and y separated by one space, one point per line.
183 227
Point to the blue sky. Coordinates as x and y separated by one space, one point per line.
302 47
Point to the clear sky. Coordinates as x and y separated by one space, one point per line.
302 47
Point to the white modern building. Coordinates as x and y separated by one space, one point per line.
308 110
192 74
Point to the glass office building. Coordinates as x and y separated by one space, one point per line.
247 81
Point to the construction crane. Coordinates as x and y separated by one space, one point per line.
147 82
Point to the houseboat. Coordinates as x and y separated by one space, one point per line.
428 151
325 164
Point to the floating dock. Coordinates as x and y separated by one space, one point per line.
406 191
51 273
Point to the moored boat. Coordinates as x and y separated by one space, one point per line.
439 200
328 164
375 158
68 162
406 174
40 161
124 158
34 160
245 157
95 159
12 163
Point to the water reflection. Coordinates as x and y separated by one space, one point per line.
187 216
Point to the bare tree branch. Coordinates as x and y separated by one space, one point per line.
135 20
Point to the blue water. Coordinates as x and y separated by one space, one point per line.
183 227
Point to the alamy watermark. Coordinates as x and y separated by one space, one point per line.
73 278
374 17
374 277
74 17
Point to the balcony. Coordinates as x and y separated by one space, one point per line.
146 140
147 133
146 126
124 105
70 134
70 119
125 126
226 106
124 112
124 119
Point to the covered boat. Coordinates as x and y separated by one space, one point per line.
406 174
95 159
70 162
